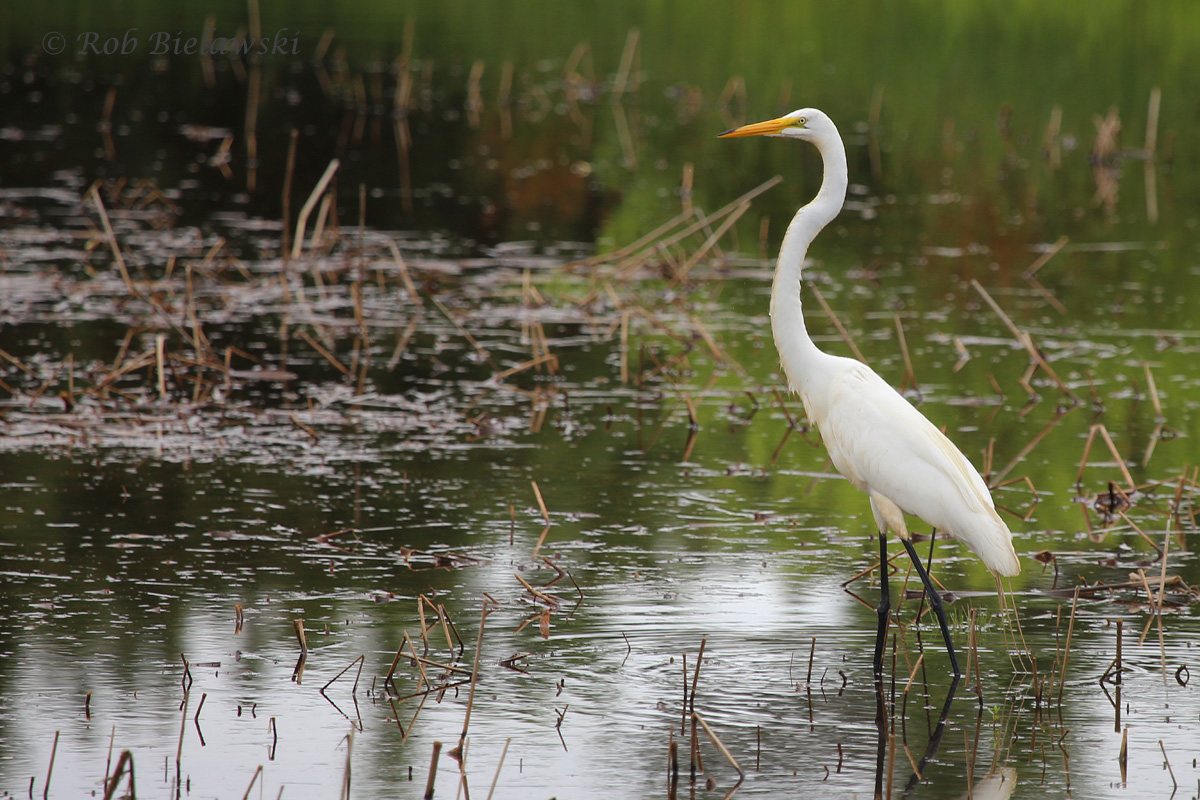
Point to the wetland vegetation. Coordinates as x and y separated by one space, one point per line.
402 415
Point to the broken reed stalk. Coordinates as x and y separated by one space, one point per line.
112 243
50 769
474 677
360 661
124 762
1153 389
812 650
1123 755
912 676
696 675
837 323
306 209
1024 339
286 201
257 774
711 241
182 727
541 502
621 82
330 357
405 278
910 376
1031 273
716 740
656 236
1151 144
548 358
1112 448
1167 762
433 762
500 764
1062 675
1046 256
466 334
298 627
345 793
160 341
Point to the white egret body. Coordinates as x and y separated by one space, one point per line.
875 437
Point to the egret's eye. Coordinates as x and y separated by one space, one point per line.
802 121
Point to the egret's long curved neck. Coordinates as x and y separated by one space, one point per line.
796 350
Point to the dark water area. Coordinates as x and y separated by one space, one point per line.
507 424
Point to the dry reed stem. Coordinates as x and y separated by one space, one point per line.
621 82
124 761
1112 448
1027 449
625 137
545 598
360 661
1123 755
50 769
298 627
465 333
253 778
709 243
306 209
1155 615
541 540
656 236
388 679
837 323
1047 295
405 277
474 677
500 764
433 763
910 377
913 675
1025 340
1151 143
330 357
199 707
112 243
548 358
402 342
412 649
537 493
1142 533
1031 273
620 253
711 343
1045 257
696 675
1153 389
1167 762
716 740
1062 676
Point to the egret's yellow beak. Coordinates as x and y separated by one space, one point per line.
762 128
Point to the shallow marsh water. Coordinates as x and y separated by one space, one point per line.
143 504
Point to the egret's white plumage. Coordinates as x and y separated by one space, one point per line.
875 437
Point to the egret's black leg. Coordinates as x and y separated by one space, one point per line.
935 603
885 603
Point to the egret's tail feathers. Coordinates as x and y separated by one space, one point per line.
1003 562
993 545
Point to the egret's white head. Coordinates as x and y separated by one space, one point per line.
805 123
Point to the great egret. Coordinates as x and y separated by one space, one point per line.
875 437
